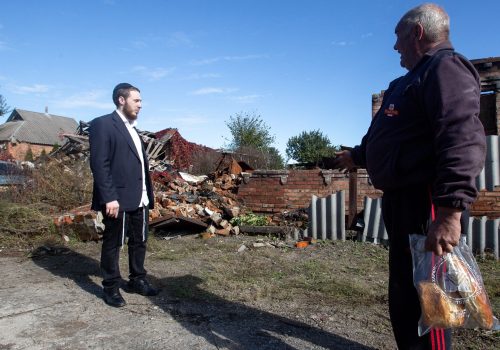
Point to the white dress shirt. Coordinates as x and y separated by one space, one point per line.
138 145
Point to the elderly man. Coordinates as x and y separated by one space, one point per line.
424 149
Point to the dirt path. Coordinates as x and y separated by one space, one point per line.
54 302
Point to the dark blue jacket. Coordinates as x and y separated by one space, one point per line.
116 165
428 131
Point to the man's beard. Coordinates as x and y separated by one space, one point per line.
129 113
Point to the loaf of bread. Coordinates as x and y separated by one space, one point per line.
438 309
471 292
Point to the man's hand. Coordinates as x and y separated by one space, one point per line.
343 161
444 232
112 209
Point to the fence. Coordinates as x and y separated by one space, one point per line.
489 177
326 218
326 221
482 234
327 215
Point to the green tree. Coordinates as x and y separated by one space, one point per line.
4 109
275 160
309 147
251 138
29 155
249 130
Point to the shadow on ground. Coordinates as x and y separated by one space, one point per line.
223 323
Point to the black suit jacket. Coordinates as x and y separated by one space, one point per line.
116 165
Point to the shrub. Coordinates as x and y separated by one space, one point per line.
249 219
62 186
205 162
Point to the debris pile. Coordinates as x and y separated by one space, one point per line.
185 203
178 151
83 222
204 202
165 149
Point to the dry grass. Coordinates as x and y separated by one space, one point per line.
350 276
55 185
52 188
347 275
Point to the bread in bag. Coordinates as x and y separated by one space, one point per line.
471 291
438 309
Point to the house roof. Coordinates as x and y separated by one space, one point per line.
37 128
166 134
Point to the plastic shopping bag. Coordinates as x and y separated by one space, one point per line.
450 289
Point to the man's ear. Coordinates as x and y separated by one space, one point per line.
418 31
121 100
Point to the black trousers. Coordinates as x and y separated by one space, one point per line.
134 226
406 212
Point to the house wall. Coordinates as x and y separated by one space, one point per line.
274 191
487 204
19 150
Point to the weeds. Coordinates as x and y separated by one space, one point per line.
51 188
58 186
250 219
23 220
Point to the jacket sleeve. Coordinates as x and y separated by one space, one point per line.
358 153
100 160
451 100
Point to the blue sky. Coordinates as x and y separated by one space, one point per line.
301 65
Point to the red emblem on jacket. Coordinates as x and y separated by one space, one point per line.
391 111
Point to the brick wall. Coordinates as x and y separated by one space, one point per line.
19 150
487 204
276 190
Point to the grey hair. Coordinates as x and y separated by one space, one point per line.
433 18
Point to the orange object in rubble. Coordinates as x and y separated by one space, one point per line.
301 244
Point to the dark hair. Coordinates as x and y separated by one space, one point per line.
123 89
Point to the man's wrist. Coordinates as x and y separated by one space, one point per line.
448 215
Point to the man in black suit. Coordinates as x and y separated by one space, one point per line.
122 192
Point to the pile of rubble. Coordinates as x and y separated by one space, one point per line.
182 201
165 149
206 202
187 203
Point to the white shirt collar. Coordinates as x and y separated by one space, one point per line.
132 123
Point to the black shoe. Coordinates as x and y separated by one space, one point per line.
112 297
142 287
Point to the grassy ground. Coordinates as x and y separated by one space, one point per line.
329 277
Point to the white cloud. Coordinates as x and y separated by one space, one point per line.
190 120
153 73
32 89
227 58
91 99
139 44
179 39
4 46
341 43
366 35
197 76
212 90
246 98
